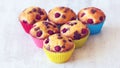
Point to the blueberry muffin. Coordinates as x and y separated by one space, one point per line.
76 30
30 16
93 17
58 48
61 15
43 29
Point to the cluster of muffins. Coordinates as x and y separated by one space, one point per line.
59 32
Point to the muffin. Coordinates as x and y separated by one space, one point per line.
61 15
58 48
42 30
30 16
77 31
93 17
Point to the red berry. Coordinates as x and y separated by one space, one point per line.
57 48
47 41
82 14
64 30
101 18
84 31
38 17
77 35
50 32
90 21
93 11
57 15
39 33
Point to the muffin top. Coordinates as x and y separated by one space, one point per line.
74 29
61 15
58 43
33 14
91 15
43 29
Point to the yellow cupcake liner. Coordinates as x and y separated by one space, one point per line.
81 42
58 57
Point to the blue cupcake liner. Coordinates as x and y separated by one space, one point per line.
95 28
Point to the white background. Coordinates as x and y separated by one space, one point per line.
17 50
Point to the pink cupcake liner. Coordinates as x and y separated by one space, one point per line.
26 27
38 42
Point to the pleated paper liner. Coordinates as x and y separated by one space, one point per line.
58 57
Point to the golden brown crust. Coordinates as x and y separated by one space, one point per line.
61 15
74 29
43 29
91 15
58 43
33 14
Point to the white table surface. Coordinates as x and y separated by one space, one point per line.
17 50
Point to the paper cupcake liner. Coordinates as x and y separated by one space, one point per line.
38 42
81 42
58 57
95 28
26 27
